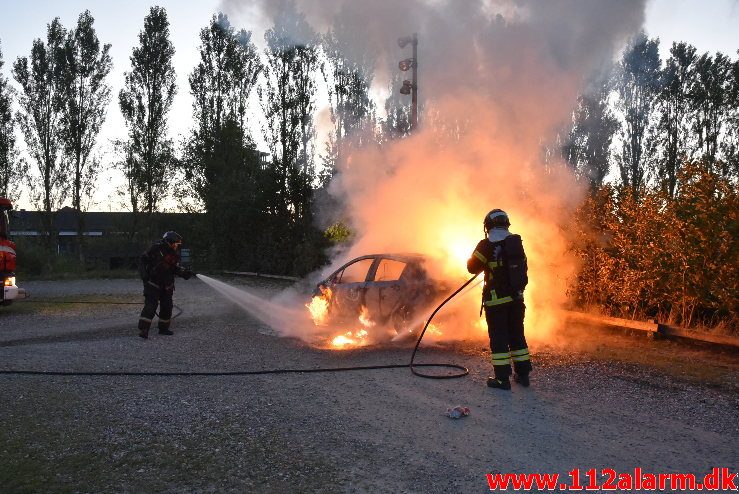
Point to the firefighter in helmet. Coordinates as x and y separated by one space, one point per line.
158 266
501 256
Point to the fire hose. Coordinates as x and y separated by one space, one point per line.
412 365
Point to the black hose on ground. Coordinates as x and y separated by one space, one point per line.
412 365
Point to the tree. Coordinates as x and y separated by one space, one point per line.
637 85
288 100
39 120
220 85
12 169
587 148
84 94
349 78
677 79
730 145
236 203
397 123
145 101
710 98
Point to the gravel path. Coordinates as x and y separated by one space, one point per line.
381 431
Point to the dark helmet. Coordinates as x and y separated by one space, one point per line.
497 218
172 238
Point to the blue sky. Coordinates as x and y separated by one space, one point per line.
710 25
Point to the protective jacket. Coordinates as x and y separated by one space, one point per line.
160 264
502 259
489 257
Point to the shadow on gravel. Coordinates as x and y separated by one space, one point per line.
88 335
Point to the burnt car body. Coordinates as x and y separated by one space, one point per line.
395 289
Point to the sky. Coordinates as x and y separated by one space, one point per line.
710 25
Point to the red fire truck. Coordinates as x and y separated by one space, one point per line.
7 257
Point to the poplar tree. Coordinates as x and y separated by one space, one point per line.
710 96
587 148
637 85
349 77
397 123
145 101
674 97
220 85
288 101
39 119
12 168
730 145
84 66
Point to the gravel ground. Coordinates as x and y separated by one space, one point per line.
621 403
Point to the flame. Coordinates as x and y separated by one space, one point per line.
356 338
349 339
364 318
434 330
318 307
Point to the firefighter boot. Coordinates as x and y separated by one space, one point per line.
164 325
494 382
522 379
144 325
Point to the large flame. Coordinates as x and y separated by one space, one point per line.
319 311
318 307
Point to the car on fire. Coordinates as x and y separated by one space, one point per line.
394 290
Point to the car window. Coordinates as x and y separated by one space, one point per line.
389 270
356 272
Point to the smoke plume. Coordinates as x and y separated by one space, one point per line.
497 80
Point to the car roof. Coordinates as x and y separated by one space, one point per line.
398 256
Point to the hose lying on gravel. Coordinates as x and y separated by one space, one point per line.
411 365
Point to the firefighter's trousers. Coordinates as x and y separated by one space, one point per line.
507 340
155 295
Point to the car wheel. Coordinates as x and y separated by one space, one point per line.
402 318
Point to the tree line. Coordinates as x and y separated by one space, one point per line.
660 240
258 204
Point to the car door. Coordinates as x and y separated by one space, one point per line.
387 288
350 287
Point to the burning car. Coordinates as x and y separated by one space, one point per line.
389 290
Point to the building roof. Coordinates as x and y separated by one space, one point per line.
65 220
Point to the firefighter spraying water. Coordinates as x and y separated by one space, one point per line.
158 267
8 258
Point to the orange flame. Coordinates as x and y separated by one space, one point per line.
349 339
364 318
318 307
357 338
